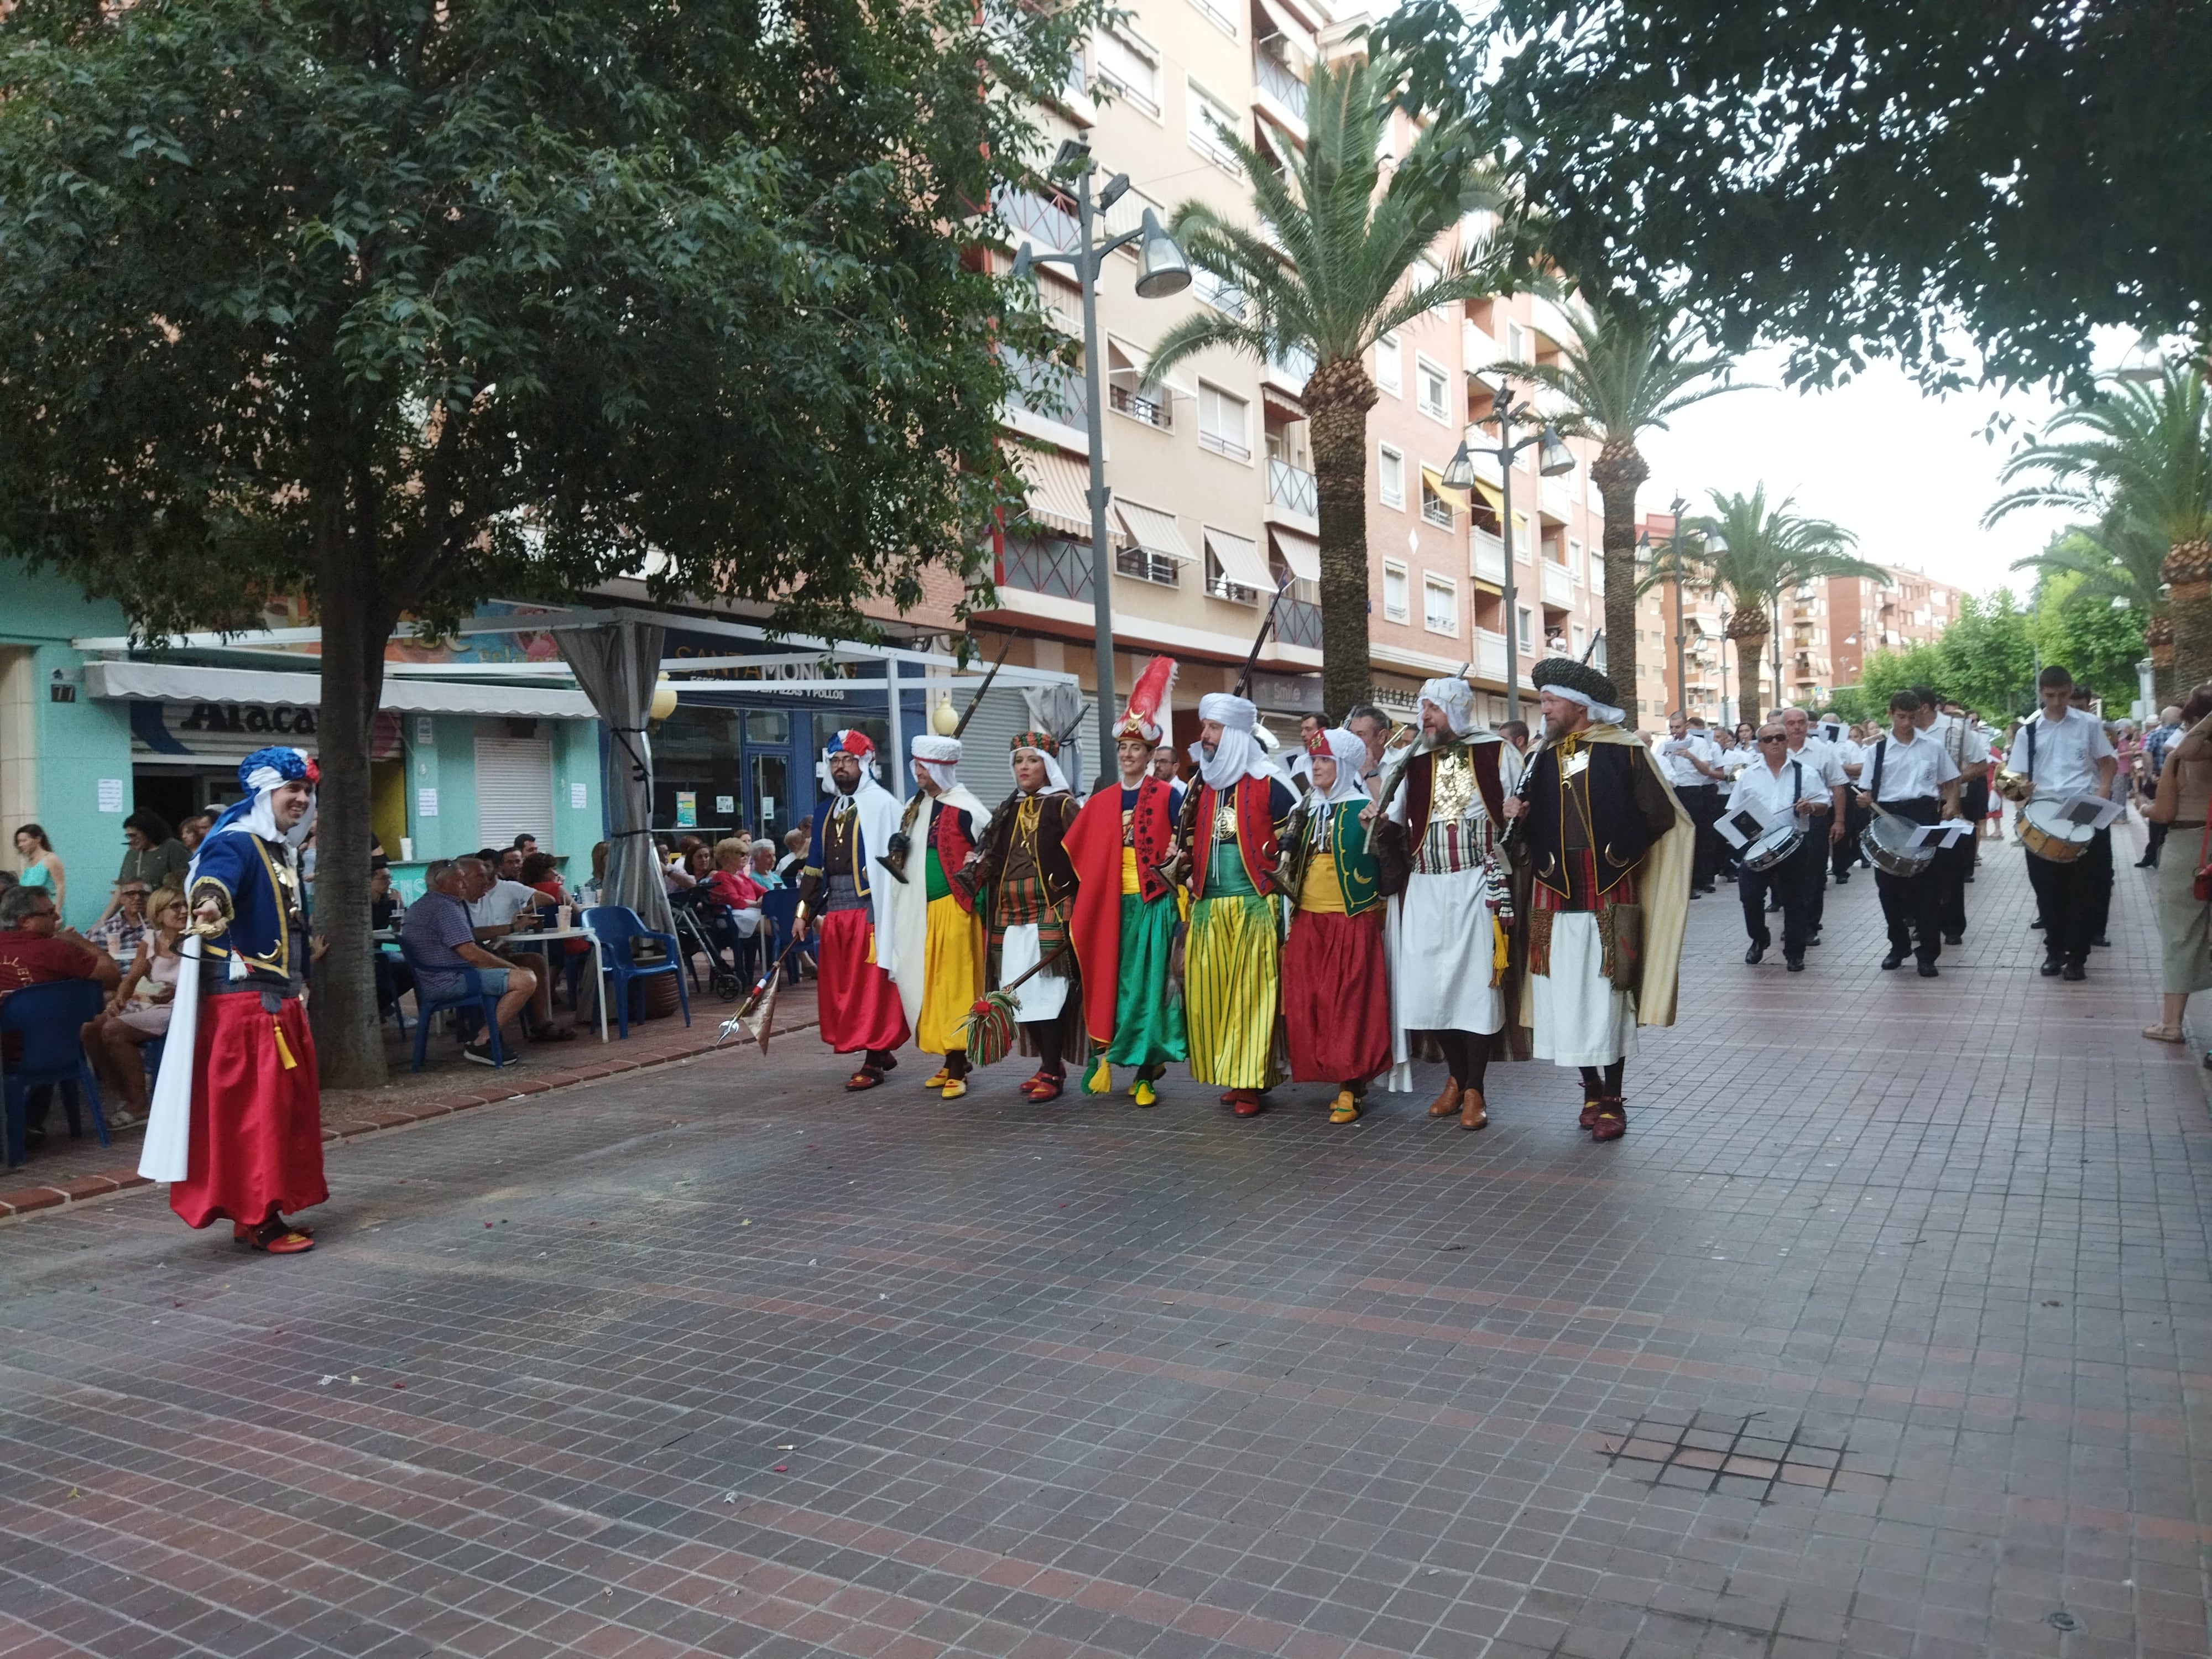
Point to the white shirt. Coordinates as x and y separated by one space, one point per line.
2065 755
1681 769
500 907
1774 796
1850 755
1819 757
1965 743
1917 770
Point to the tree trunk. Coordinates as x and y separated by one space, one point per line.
1337 395
355 621
1618 472
1749 649
2188 574
2158 644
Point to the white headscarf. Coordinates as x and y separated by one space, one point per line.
1599 712
1055 780
1349 751
1453 699
940 758
1238 755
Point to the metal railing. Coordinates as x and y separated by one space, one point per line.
1044 224
1297 622
1152 411
1435 509
1047 564
1276 80
1295 365
1222 444
1293 488
1047 389
1162 568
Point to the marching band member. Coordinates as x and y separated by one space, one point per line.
1611 891
1909 775
1776 787
1232 962
1833 822
1125 911
1336 983
940 937
1439 816
1024 863
1691 763
848 906
1970 752
2062 750
1843 850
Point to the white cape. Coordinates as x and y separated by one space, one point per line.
167 1154
910 902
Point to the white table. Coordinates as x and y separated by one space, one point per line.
550 936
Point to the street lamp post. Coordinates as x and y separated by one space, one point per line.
1162 271
1552 458
1674 557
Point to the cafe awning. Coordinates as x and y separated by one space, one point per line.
163 682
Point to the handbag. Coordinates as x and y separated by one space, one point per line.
2203 885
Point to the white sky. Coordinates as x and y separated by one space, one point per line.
1909 474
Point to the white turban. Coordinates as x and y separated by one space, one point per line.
1455 700
940 758
1349 751
1603 713
1238 755
1055 780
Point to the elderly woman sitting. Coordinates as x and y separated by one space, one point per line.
138 1010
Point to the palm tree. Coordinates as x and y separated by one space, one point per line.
1629 368
2136 459
1751 554
1329 270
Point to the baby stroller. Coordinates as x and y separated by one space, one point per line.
705 925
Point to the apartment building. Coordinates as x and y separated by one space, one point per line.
1708 681
1910 608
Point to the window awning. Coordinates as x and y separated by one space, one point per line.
1240 560
1060 492
1154 531
1301 552
163 682
1495 498
1435 480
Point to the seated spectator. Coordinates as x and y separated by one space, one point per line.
539 876
386 907
440 932
139 1011
794 856
500 901
677 873
121 931
591 892
36 949
734 886
526 843
765 870
494 914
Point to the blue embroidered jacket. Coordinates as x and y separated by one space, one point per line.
257 885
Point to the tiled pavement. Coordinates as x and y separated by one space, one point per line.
1883 1333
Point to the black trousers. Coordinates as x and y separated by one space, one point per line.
1913 906
1813 871
1974 807
1786 881
1952 866
1703 806
2075 898
2157 841
1846 853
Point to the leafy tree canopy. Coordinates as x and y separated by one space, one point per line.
1858 178
1987 660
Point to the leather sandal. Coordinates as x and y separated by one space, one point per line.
1611 1122
1043 1086
2164 1033
278 1238
1474 1111
863 1078
1447 1103
1345 1108
1590 1112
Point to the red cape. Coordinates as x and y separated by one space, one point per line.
1094 846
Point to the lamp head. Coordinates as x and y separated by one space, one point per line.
1024 263
1116 188
1162 271
1715 542
663 699
1554 456
1460 473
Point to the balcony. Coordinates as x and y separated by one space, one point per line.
1046 564
1489 557
1557 502
1222 444
1158 412
1047 390
1489 654
1291 370
1480 351
1147 567
1276 81
1558 586
1043 224
1292 488
1297 622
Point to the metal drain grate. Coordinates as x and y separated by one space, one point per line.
1718 1452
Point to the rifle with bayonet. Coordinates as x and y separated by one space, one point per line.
1175 868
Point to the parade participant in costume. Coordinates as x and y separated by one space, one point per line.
1776 788
1336 982
1125 912
939 936
2065 752
1610 849
1023 864
1910 775
1232 963
236 1125
1439 820
847 897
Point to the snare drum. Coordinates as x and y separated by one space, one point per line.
1883 841
1774 847
2048 836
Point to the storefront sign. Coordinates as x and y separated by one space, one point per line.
231 731
687 809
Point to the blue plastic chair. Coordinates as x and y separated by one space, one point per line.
468 998
49 1018
619 929
779 915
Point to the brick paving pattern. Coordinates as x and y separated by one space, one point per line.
1883 1333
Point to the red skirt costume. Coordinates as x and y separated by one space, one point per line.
858 1006
1336 997
257 1138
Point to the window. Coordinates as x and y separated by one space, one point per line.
1434 507
1206 117
1433 389
1439 604
1391 473
1221 423
1597 574
1520 539
1521 616
1389 371
1217 291
1517 342
1131 68
1129 391
1575 561
1578 640
1394 591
